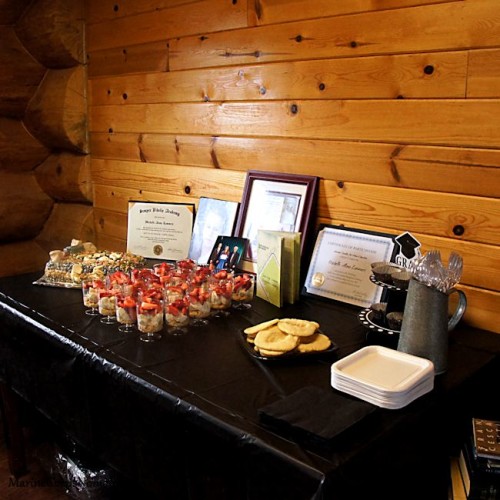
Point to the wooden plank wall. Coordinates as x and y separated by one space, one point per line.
394 104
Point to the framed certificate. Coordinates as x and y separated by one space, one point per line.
160 230
340 264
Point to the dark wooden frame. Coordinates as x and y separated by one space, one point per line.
304 225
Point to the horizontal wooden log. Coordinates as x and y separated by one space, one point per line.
66 222
57 114
439 27
66 177
200 17
368 77
53 32
19 150
11 10
22 257
136 182
24 207
484 73
277 11
454 170
472 123
99 11
20 74
129 59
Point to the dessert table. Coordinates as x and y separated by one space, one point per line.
185 416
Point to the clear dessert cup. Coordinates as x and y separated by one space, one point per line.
200 306
177 315
243 290
107 305
221 293
150 315
126 312
90 290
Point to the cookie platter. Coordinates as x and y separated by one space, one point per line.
287 338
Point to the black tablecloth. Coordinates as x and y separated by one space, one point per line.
183 415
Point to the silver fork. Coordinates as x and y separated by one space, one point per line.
454 270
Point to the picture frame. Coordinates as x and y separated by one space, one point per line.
159 230
227 253
340 269
213 218
276 201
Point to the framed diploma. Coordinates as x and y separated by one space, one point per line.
275 201
160 230
340 264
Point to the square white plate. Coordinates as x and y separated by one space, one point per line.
382 368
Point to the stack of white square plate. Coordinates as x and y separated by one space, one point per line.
383 376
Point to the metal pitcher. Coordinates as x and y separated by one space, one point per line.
425 327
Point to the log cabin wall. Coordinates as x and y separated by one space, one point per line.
394 104
45 186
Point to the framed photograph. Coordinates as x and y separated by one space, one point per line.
228 252
275 201
340 266
213 218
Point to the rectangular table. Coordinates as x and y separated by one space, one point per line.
180 416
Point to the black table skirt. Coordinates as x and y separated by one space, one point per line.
181 416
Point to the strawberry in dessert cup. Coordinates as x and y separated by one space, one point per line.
149 315
90 290
243 290
176 315
200 306
107 304
126 312
221 291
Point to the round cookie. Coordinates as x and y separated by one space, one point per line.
320 343
298 327
261 326
273 339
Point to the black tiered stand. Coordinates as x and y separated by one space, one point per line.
395 298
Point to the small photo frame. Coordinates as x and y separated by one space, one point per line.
228 252
278 202
213 218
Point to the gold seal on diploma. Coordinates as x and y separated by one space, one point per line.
318 279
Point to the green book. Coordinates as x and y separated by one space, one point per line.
270 246
278 266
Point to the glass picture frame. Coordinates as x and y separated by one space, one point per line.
213 218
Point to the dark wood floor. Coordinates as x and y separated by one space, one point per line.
35 485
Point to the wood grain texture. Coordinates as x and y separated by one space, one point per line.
57 113
15 138
276 11
384 77
66 177
484 73
20 74
162 24
24 207
454 122
469 171
446 26
53 32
